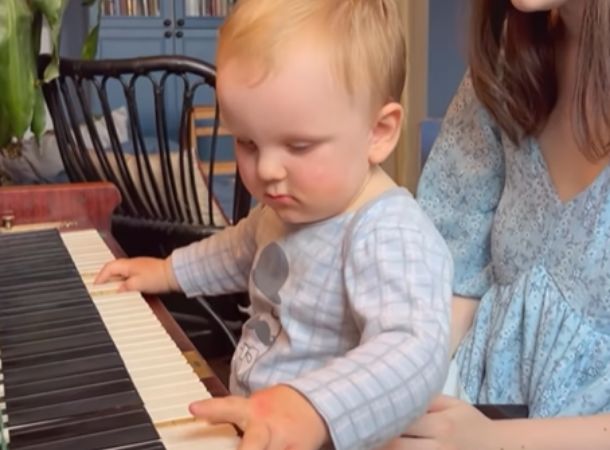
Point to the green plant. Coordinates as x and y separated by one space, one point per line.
21 100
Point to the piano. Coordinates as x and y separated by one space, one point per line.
82 366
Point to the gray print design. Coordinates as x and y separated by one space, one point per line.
260 332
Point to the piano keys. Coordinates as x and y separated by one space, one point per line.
83 366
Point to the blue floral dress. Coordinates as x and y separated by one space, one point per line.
540 267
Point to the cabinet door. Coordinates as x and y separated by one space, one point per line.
133 41
201 13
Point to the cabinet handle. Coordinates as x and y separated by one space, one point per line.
180 22
167 22
167 34
179 34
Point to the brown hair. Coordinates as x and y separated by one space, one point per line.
365 39
512 63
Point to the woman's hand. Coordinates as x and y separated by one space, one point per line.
276 418
449 424
147 275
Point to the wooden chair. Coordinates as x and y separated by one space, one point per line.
200 117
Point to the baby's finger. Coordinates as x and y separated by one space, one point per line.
112 269
230 409
257 436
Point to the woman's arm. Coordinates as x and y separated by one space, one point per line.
462 314
453 423
559 433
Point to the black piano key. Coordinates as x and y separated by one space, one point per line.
33 285
104 430
145 446
56 345
26 292
74 408
12 366
17 336
44 297
18 390
69 402
65 383
58 369
59 323
45 270
35 255
47 309
37 317
46 267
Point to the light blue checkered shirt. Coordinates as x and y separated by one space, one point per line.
353 311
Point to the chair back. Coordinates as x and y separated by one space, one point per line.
129 121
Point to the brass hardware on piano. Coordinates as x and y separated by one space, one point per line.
7 220
8 226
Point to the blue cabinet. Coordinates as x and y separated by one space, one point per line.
168 27
135 28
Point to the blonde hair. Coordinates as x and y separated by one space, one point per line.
365 39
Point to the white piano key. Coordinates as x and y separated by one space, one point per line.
198 435
163 377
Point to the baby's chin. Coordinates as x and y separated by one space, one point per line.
537 5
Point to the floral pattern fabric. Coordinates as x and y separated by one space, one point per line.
540 267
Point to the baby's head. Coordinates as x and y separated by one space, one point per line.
311 90
363 40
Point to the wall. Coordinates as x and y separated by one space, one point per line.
406 156
74 30
447 38
73 36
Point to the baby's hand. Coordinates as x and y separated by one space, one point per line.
147 275
276 418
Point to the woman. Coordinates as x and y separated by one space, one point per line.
518 184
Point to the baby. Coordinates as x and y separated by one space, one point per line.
349 282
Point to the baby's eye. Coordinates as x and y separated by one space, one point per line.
300 146
246 143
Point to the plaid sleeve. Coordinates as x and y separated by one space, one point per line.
221 263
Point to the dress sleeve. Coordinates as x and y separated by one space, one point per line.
461 186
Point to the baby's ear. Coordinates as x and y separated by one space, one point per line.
385 132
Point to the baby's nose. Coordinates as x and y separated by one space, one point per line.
270 168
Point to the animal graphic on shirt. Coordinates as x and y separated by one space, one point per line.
260 332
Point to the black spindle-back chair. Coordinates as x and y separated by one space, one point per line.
162 198
165 204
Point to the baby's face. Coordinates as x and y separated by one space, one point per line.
302 142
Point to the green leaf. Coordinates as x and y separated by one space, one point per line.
6 12
39 116
36 33
90 45
53 11
17 69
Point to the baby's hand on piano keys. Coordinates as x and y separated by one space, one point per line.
147 275
276 418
